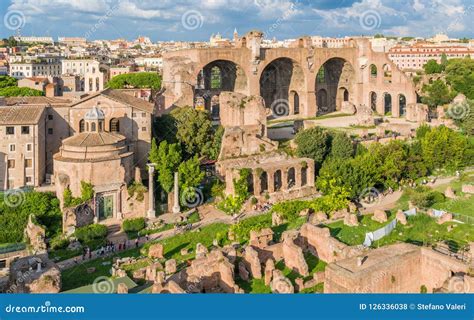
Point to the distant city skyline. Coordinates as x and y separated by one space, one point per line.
190 21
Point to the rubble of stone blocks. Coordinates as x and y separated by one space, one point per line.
34 274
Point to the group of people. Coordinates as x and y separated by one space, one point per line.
264 207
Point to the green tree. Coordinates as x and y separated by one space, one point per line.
432 67
313 143
444 148
190 176
167 158
341 146
150 80
19 92
460 76
7 81
194 130
437 94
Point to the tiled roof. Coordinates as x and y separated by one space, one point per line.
93 139
40 100
122 97
20 114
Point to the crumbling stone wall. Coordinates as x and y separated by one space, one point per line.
321 244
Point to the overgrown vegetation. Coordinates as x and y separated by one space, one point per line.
136 80
87 193
16 207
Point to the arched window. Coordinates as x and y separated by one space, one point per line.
264 182
388 103
277 180
81 125
216 78
291 178
93 127
373 101
402 104
114 125
373 71
296 102
346 95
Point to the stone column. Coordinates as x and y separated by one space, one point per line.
151 195
284 179
176 208
310 174
256 184
298 176
271 181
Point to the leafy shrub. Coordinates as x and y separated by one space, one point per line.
58 242
241 230
133 225
425 197
138 189
91 232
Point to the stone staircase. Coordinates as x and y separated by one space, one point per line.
114 232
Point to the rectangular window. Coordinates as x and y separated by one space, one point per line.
134 115
12 147
28 179
11 164
10 130
29 147
50 130
143 114
143 128
50 117
28 163
25 129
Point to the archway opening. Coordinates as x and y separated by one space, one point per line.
373 101
335 77
291 178
402 104
387 103
263 182
387 73
373 72
277 183
250 186
277 80
215 77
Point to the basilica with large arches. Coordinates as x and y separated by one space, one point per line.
301 80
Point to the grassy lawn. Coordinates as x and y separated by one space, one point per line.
355 235
77 276
422 229
189 240
327 116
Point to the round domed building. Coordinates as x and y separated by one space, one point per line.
101 158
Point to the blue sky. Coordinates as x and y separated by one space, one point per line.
197 20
